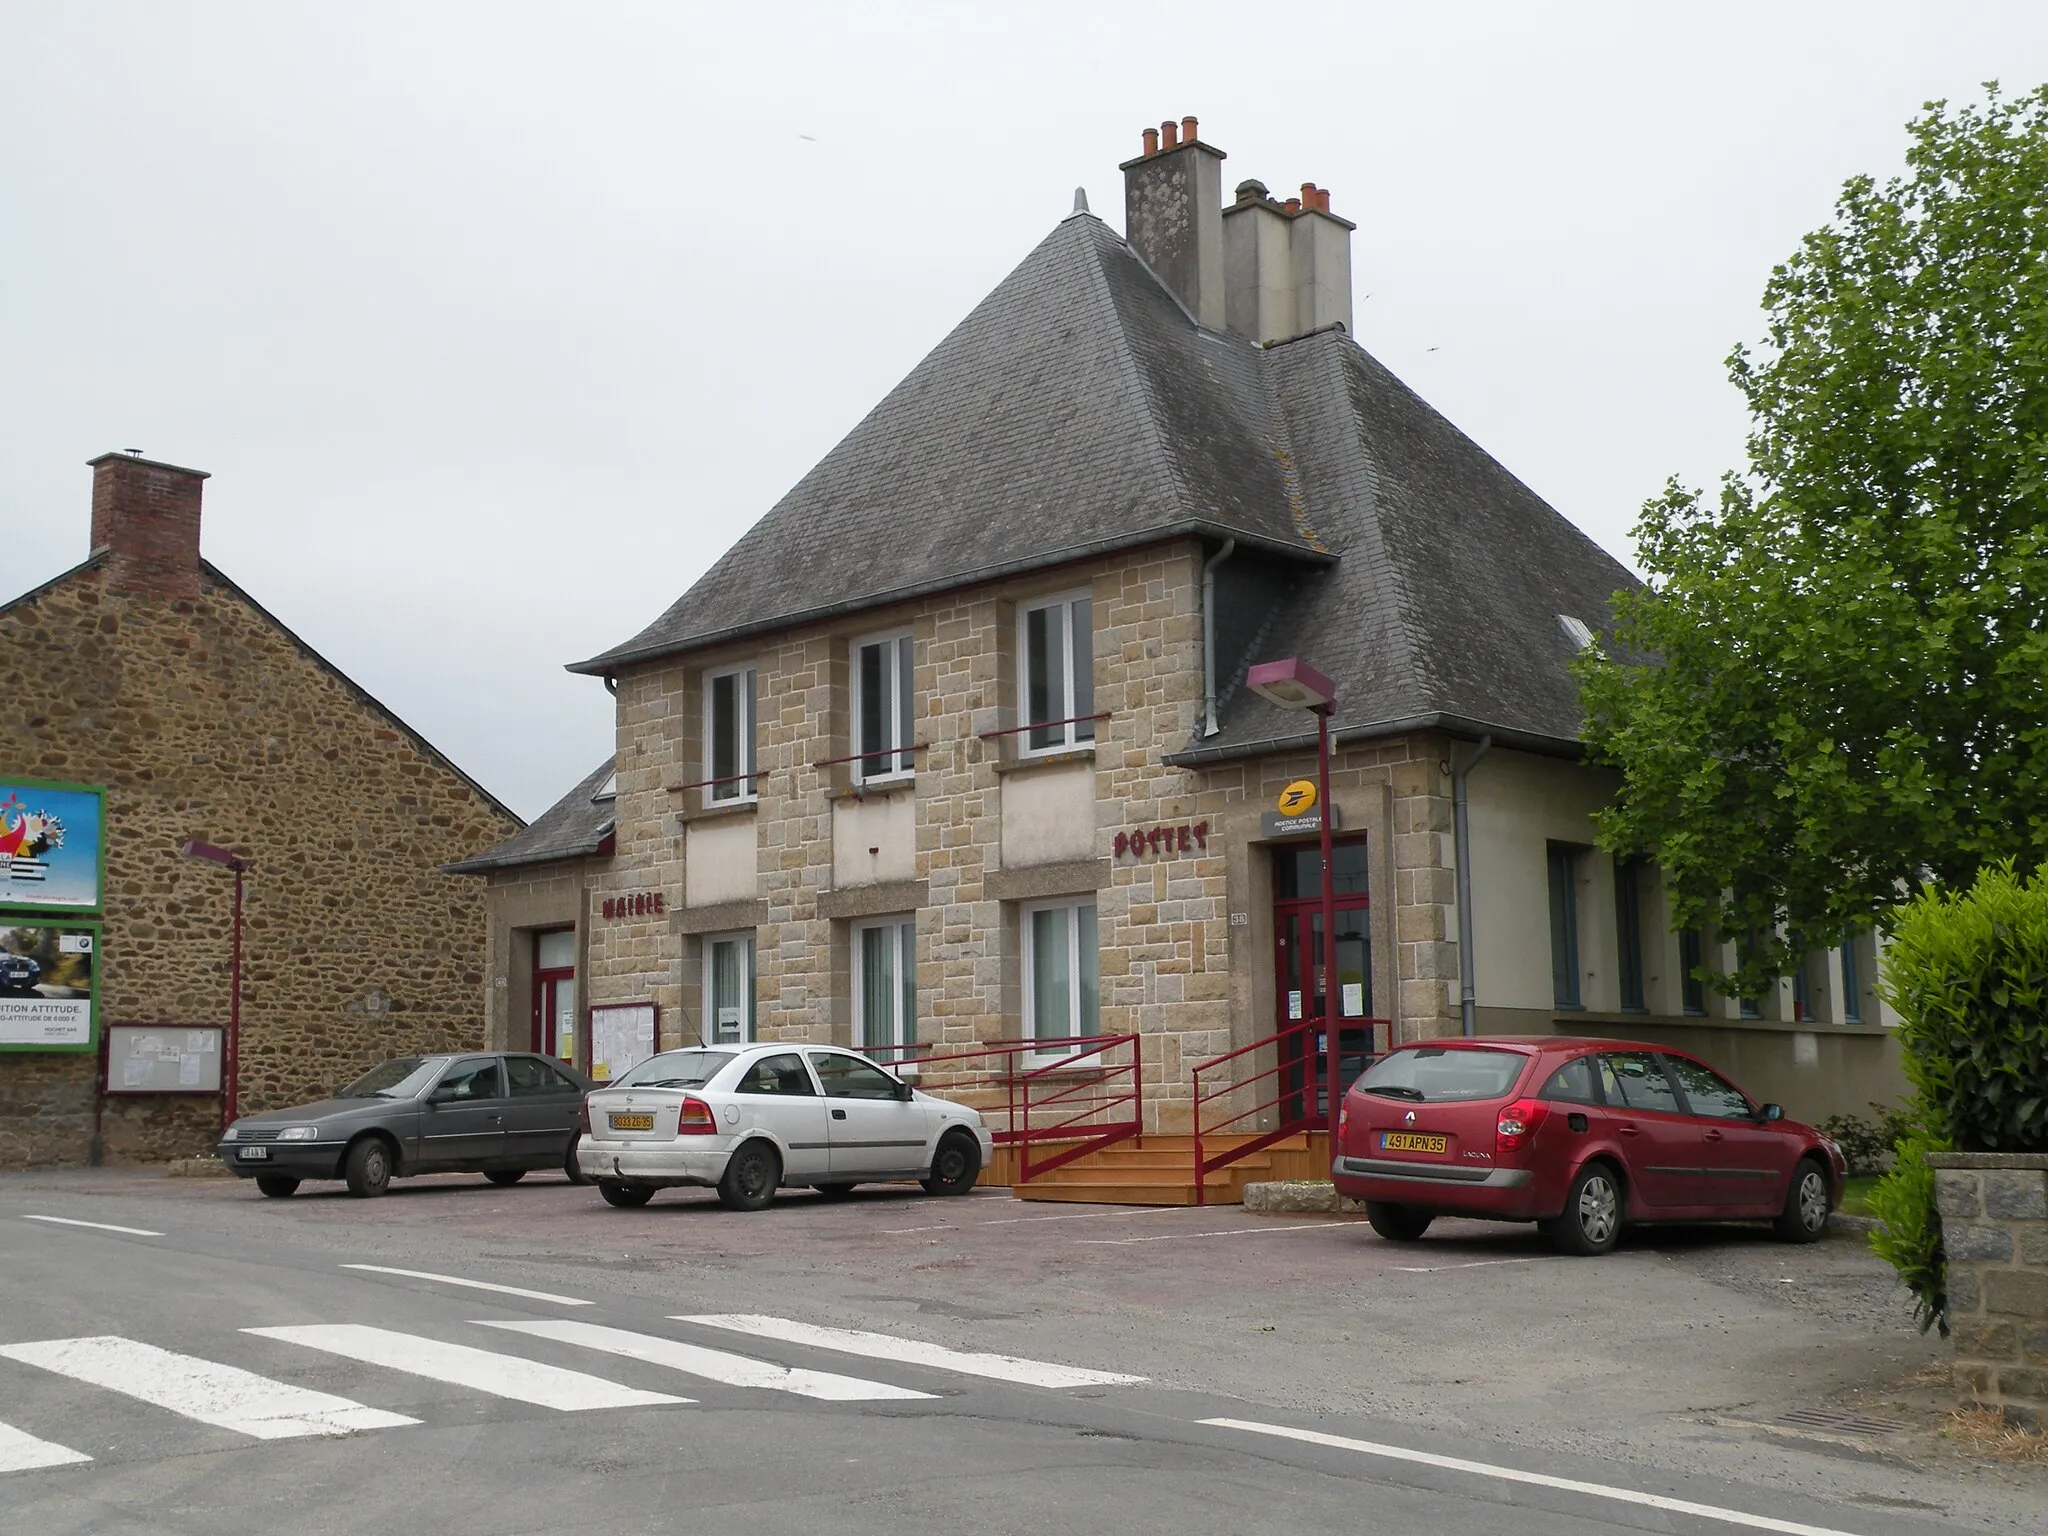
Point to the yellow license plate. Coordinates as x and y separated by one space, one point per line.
1408 1141
646 1123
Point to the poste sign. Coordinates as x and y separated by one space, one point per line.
1294 812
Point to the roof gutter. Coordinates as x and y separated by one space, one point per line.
1209 725
1463 726
1461 833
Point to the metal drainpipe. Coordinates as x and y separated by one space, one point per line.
1209 726
1468 991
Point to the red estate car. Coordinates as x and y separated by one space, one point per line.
1577 1136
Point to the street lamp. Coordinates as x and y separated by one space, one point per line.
1294 684
231 1062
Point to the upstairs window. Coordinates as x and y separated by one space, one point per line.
1056 645
1564 926
882 708
1692 991
729 735
1628 932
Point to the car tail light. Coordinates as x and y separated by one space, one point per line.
1517 1125
695 1119
583 1117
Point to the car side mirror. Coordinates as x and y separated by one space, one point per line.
1771 1112
904 1091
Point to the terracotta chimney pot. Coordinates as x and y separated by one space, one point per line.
1187 130
1167 134
1292 205
1151 141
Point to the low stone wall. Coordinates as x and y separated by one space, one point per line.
1994 1228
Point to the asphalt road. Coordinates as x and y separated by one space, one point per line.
902 1364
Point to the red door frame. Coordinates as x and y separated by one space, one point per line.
545 980
1308 910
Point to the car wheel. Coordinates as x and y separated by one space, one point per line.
368 1170
278 1186
1591 1223
625 1196
834 1191
570 1166
504 1176
1807 1204
1397 1223
955 1166
751 1174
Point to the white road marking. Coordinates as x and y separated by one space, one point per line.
1536 1479
1012 1221
224 1396
525 1381
1436 1269
24 1453
97 1226
882 1346
713 1364
474 1285
1168 1237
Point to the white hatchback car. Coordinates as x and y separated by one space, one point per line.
747 1120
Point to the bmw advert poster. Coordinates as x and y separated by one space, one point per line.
48 986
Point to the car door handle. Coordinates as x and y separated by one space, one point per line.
1626 1130
1713 1136
838 1114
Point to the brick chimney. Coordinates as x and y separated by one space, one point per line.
1173 215
146 516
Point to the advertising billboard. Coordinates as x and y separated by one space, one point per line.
49 986
52 845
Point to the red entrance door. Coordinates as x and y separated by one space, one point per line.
1298 970
554 993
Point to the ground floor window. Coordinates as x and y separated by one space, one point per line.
729 988
1564 926
1061 988
554 993
885 984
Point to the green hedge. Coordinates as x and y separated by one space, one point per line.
1968 974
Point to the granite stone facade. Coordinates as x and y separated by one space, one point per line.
1994 1230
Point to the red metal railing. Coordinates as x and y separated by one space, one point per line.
1092 1102
1297 1085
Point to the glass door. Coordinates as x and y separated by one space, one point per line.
729 989
554 994
1298 973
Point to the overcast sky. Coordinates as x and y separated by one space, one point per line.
496 323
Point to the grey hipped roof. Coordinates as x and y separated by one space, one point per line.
575 826
1079 409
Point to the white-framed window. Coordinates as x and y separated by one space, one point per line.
883 708
729 735
728 988
1061 987
1056 672
885 985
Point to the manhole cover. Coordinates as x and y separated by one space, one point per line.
1829 1422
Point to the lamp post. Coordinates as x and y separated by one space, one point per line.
231 1057
1294 684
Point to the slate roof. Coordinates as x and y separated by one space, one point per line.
575 826
1080 409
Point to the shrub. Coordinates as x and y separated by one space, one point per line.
1909 1237
1869 1144
1968 973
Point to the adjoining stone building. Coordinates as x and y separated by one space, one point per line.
147 671
954 743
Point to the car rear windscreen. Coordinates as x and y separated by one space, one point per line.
1444 1074
674 1069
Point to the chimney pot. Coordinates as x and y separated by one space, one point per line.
145 515
1187 130
1151 141
1252 191
1292 205
1167 134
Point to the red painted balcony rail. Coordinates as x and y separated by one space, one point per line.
1078 1094
1222 1085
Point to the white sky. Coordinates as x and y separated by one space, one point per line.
496 323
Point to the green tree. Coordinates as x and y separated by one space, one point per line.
1835 682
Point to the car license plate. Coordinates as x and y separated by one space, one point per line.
253 1154
632 1122
1409 1141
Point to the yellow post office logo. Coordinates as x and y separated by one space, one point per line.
1298 798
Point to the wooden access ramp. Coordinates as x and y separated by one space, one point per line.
1160 1170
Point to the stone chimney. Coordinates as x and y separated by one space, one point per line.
1173 216
145 515
1287 266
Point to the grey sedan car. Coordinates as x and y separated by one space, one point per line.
501 1114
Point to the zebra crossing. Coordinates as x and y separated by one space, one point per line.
260 1407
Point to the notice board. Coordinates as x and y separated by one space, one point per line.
621 1037
164 1058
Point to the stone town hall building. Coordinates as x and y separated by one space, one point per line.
953 744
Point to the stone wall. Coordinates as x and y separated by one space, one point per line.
205 719
1994 1228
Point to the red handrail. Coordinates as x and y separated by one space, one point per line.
1074 1097
1304 1093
